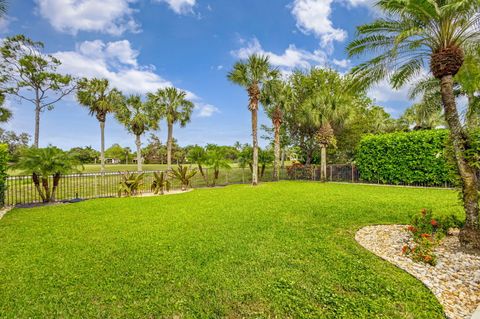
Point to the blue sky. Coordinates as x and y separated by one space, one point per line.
142 45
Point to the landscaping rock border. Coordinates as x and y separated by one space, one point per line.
5 210
455 280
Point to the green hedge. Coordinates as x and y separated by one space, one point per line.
3 172
417 157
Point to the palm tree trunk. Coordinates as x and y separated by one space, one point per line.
169 146
470 234
255 147
36 182
102 147
37 126
323 163
138 142
56 181
276 147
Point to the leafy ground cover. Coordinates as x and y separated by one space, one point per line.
283 249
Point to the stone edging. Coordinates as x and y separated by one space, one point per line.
455 280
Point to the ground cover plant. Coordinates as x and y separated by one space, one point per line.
283 249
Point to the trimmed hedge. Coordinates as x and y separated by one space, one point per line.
3 172
417 157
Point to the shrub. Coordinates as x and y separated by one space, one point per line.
130 184
184 175
3 172
160 183
405 158
427 232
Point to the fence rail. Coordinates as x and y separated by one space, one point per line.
21 189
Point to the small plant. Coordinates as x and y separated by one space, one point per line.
427 232
184 175
130 184
160 183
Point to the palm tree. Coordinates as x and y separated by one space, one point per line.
173 105
3 8
100 99
198 155
327 102
137 117
42 163
216 159
276 97
424 115
252 74
468 79
412 34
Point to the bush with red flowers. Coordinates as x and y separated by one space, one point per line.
427 232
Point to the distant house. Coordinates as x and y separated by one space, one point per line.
112 161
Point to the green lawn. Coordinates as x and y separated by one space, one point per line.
281 250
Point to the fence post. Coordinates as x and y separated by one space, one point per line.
95 187
353 176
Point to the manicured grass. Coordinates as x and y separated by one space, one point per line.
281 250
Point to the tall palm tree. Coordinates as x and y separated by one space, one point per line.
411 35
276 97
252 74
328 101
173 105
138 118
100 99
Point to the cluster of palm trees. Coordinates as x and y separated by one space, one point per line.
136 115
304 101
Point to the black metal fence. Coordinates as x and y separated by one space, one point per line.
21 189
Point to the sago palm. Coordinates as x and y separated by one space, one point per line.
46 165
276 97
252 74
411 35
138 118
172 104
100 99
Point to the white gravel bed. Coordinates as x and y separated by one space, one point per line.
455 280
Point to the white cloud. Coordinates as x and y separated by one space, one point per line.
344 63
291 58
383 92
106 16
356 3
5 23
313 16
205 110
117 62
180 6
